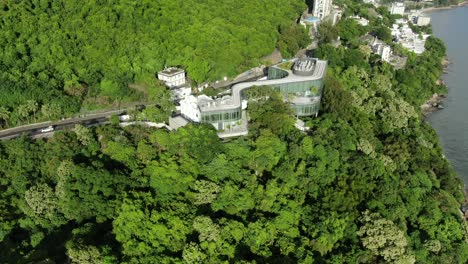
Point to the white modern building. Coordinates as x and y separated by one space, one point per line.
419 19
299 80
397 9
322 8
382 49
423 20
172 77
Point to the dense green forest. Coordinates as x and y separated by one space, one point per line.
58 56
367 184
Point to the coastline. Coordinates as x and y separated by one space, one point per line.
432 105
431 9
464 208
435 102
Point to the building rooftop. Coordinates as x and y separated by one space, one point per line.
171 71
177 121
314 69
304 66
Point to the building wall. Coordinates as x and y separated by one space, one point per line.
386 50
322 8
397 9
305 88
177 79
221 116
423 21
306 109
276 73
189 108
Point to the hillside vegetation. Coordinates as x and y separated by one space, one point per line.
367 184
57 55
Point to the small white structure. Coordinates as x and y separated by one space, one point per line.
124 118
47 129
401 21
173 77
423 21
322 8
397 9
301 125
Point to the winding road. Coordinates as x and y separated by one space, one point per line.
34 130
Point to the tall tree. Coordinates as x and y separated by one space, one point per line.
4 115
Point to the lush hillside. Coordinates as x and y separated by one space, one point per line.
367 184
60 53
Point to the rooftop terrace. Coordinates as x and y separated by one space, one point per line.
306 70
171 71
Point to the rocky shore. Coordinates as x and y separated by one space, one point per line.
433 104
464 207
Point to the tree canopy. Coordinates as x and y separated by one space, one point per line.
67 55
366 184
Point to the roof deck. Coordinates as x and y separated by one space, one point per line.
171 71
307 69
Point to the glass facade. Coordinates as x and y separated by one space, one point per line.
306 109
276 73
221 116
305 88
309 89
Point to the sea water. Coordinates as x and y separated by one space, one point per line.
451 123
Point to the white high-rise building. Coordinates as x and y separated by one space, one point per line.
322 8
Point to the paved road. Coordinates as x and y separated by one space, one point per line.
33 130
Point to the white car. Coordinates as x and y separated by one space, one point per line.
47 129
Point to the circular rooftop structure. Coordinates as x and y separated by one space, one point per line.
304 66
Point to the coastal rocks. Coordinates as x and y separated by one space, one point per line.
445 63
464 207
433 104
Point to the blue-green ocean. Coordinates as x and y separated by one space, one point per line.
451 123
